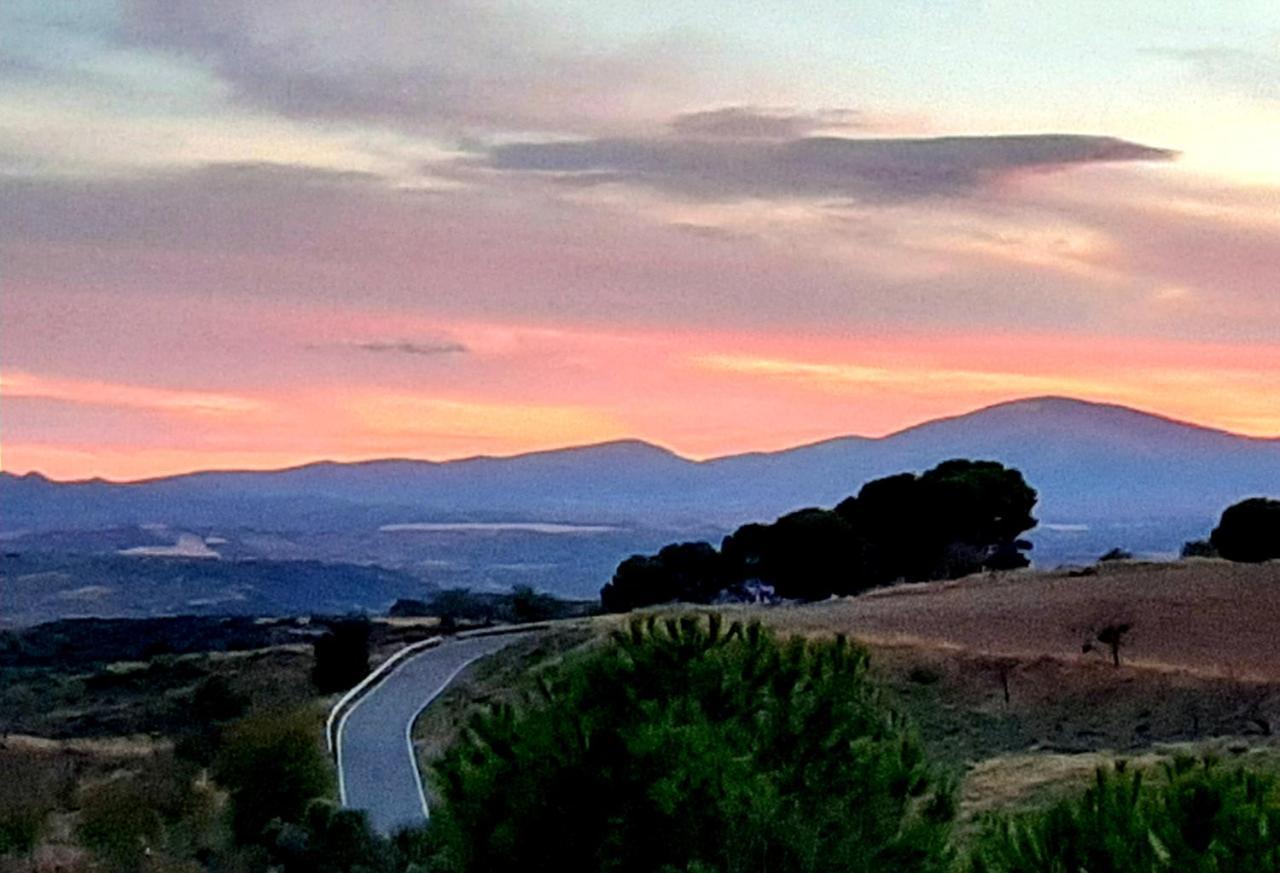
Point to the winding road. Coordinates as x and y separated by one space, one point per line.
377 769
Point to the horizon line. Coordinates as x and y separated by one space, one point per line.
385 459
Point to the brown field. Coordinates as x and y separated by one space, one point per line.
1208 618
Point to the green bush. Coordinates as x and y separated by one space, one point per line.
273 766
685 745
1196 817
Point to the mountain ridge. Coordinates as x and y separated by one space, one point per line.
644 448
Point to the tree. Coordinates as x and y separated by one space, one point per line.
272 765
689 572
529 605
341 656
688 745
1117 554
454 605
1189 817
955 519
806 555
1249 531
1198 549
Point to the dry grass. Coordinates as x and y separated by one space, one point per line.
1209 618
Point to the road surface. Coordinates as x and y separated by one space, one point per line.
377 771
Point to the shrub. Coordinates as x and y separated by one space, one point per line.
273 766
685 745
1249 531
342 656
1197 817
1198 549
1117 554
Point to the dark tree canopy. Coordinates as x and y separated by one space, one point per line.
1249 531
955 519
342 656
690 572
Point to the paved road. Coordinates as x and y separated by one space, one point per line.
377 770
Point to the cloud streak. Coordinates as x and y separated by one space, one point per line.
427 349
881 169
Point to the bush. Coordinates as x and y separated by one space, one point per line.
1198 549
119 824
685 745
273 766
1198 817
1249 531
1117 554
342 656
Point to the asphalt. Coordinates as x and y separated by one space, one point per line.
376 764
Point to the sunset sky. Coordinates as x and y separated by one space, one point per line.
240 233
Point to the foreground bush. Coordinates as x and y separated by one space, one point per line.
1198 818
684 745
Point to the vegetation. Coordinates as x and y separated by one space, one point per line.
1199 817
1249 531
1117 554
341 656
688 745
957 518
273 766
461 607
1198 549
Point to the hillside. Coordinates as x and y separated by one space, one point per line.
1107 476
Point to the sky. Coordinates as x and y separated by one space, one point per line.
237 234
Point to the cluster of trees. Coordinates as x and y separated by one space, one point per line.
461 607
957 518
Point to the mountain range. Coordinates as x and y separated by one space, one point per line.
1107 475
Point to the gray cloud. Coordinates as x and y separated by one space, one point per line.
428 348
754 122
451 65
821 167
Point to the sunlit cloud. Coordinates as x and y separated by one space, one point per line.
18 385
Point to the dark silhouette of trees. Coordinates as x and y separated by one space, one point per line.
690 572
957 518
1198 549
342 656
1249 531
807 555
